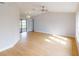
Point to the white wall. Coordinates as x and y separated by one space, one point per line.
77 29
9 25
55 23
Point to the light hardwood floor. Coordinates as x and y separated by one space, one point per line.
41 44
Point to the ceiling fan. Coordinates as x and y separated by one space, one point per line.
44 9
41 9
37 11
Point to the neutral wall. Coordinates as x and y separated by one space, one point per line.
55 23
9 25
77 30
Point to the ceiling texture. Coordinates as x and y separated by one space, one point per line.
34 8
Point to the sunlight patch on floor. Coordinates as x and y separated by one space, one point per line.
61 37
57 40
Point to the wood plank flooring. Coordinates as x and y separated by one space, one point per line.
41 44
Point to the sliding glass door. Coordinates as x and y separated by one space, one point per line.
26 25
23 26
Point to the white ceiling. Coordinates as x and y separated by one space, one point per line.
34 7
